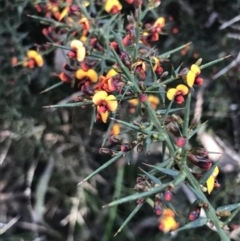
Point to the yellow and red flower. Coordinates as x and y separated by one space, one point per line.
177 93
211 180
112 6
157 29
110 82
157 68
78 51
85 23
104 103
34 59
192 76
167 222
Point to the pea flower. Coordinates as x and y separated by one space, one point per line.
78 51
167 222
192 76
211 180
34 59
89 74
104 103
112 6
177 93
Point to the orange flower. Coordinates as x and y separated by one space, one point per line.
154 101
115 129
112 6
78 51
211 180
167 222
108 83
192 75
157 68
89 74
177 93
34 59
104 103
85 23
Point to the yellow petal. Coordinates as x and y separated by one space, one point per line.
39 60
160 21
32 54
215 171
195 69
104 116
76 44
171 93
109 4
99 97
111 73
81 52
154 101
115 129
80 74
210 184
111 102
92 75
133 102
183 89
156 62
190 78
63 13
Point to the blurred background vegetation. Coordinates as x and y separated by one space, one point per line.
45 153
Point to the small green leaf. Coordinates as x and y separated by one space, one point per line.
51 87
105 165
128 219
69 105
160 112
229 207
164 170
173 50
151 177
196 130
137 196
194 224
213 62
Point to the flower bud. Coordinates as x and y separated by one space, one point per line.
168 195
143 97
140 147
126 147
202 162
114 139
158 208
106 151
198 81
194 214
181 141
199 151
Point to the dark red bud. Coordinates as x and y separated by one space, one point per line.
179 99
106 151
115 139
143 97
198 81
202 162
193 215
181 142
126 147
168 195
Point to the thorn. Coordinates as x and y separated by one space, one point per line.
80 183
117 233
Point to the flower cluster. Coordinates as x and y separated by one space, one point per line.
117 67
